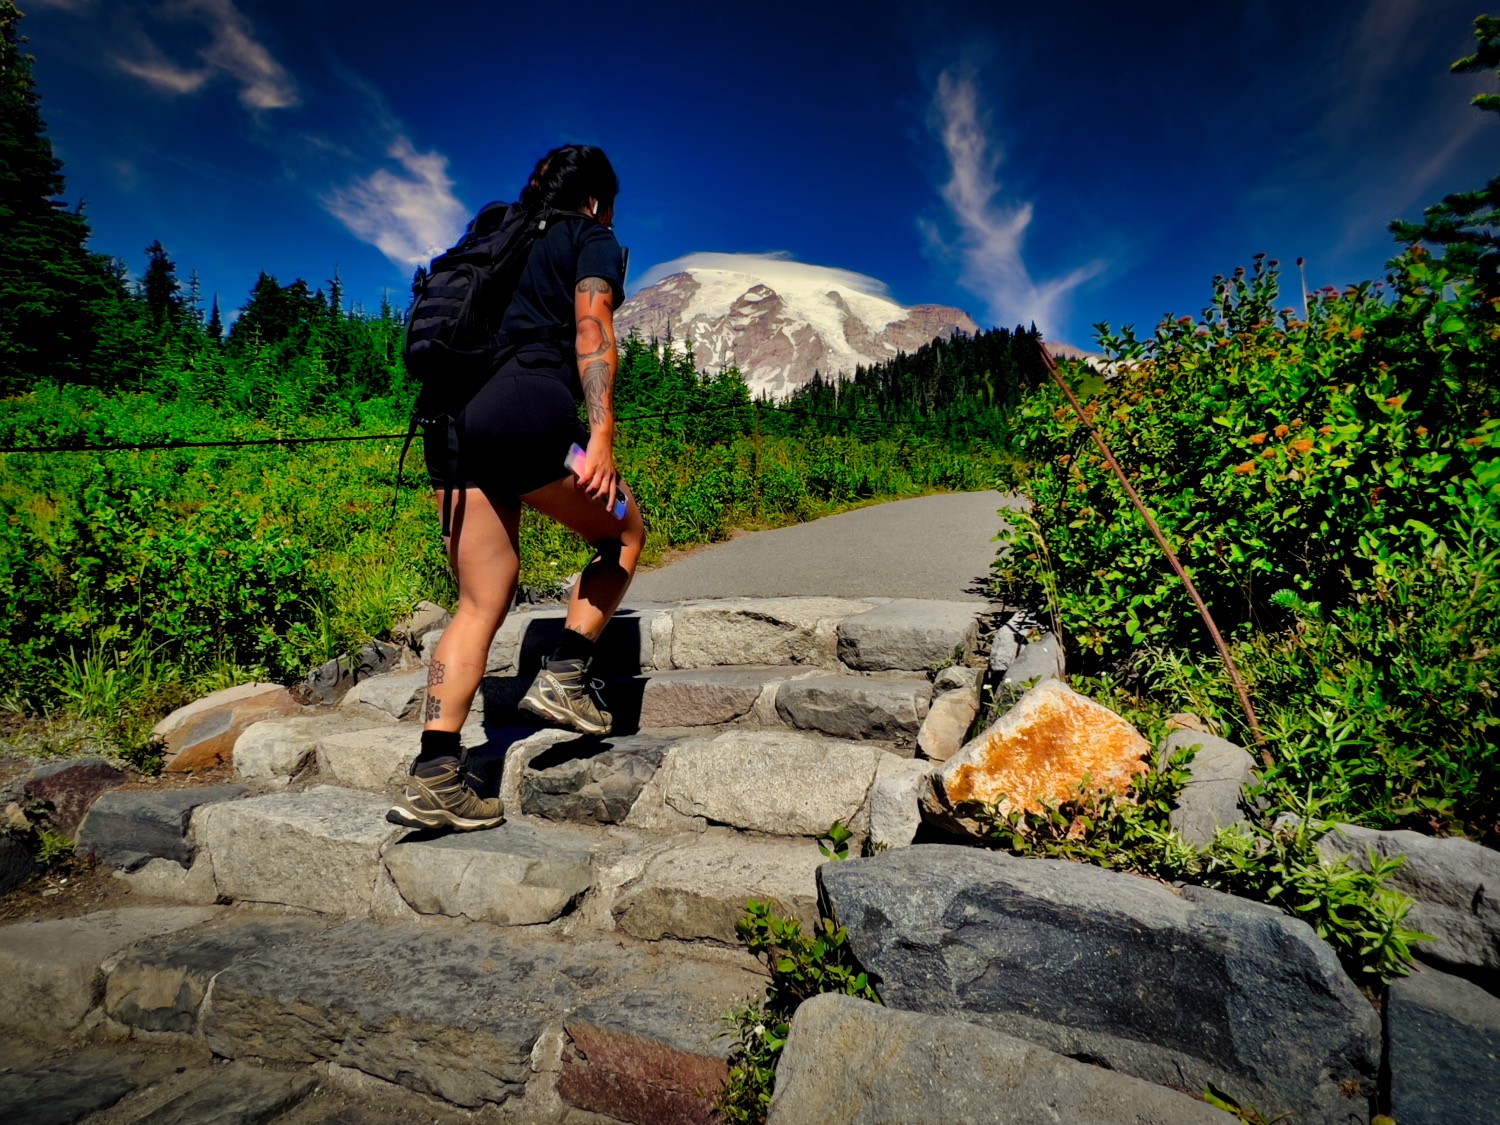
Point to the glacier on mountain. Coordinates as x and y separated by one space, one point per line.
779 320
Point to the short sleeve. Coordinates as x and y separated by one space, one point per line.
599 256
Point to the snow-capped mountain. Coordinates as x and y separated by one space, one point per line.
777 320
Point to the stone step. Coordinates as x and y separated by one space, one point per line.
868 634
331 851
472 1014
50 971
771 782
885 707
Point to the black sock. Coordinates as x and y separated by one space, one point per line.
572 646
439 748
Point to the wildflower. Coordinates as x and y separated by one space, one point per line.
1394 400
1268 454
760 1029
1357 332
1244 467
1421 431
1282 431
1257 439
1296 422
1303 446
1325 430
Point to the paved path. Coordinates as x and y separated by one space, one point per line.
929 547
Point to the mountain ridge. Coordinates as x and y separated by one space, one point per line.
778 321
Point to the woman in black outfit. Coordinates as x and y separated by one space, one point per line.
513 437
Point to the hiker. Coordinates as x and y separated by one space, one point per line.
508 448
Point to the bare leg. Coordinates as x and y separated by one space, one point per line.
618 543
484 553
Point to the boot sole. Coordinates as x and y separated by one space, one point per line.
414 818
544 710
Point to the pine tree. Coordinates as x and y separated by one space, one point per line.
215 328
54 294
160 288
194 298
336 295
1466 225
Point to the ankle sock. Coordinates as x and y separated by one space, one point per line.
439 748
572 646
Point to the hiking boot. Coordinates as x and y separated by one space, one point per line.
440 798
563 694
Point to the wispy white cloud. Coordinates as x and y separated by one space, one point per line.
990 234
232 51
410 214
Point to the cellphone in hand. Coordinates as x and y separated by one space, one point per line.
574 462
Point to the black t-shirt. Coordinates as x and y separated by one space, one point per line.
565 254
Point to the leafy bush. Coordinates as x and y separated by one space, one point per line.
801 966
1333 487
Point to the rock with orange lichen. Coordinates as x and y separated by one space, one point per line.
1038 751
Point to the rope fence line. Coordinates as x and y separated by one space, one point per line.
241 443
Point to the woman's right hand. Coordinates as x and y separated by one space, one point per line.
599 478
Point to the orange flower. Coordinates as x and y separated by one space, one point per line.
1257 439
1421 431
1268 454
1282 431
1394 400
1245 467
1296 422
1356 332
1325 430
1303 446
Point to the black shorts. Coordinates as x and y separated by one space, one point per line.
512 437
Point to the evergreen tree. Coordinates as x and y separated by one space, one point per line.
160 288
215 328
336 295
194 299
54 294
1466 225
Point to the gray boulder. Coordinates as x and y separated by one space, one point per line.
590 780
850 1061
1454 885
125 829
1211 800
328 682
1443 1048
859 707
1040 660
1177 990
907 634
58 795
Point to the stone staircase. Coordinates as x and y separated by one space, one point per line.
576 960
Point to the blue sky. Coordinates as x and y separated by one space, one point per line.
1067 163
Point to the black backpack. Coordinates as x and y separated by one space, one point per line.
453 341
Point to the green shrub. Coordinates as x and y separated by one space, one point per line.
801 966
1333 487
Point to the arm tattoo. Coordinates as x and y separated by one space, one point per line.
597 392
593 287
588 328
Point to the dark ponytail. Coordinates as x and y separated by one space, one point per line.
568 177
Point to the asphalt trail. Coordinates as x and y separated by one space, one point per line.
928 547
